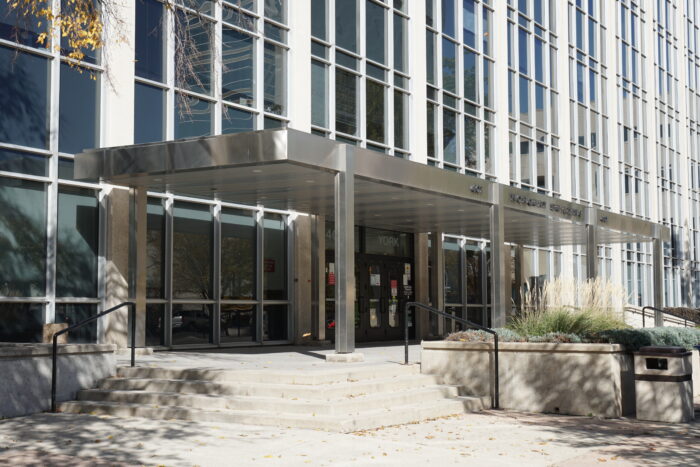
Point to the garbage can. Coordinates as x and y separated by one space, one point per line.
664 384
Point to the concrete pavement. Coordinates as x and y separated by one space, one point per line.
494 438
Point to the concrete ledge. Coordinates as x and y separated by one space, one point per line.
353 357
25 383
575 379
16 350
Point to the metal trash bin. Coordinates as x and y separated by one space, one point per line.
663 378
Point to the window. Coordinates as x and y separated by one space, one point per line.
275 261
149 113
375 29
195 121
24 96
319 91
238 253
275 82
150 63
345 102
22 238
77 242
234 120
237 80
192 251
155 248
346 24
78 110
375 111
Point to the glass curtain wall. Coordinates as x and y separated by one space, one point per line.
633 143
50 237
466 279
217 273
360 87
692 49
668 157
533 100
460 107
238 83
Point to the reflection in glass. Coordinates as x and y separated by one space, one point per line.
449 136
16 28
275 82
195 34
192 251
150 63
453 286
236 121
78 122
77 238
449 65
345 102
21 322
25 96
448 17
23 162
238 234
470 75
430 60
22 238
471 156
73 313
193 121
155 248
192 324
318 19
274 9
346 24
238 323
275 261
237 80
400 43
155 324
375 112
469 8
473 274
149 114
319 91
400 119
275 322
375 31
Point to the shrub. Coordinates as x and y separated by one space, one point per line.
557 338
633 339
474 335
566 321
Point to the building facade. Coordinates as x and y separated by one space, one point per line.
590 101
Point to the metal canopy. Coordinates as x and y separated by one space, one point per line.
289 169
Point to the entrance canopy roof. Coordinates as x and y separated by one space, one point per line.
289 169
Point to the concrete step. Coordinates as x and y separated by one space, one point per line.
344 406
365 420
245 388
272 376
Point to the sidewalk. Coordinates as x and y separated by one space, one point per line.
495 438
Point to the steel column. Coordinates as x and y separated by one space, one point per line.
499 284
591 251
318 277
137 259
437 294
658 278
345 254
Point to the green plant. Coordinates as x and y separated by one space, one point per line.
633 339
565 321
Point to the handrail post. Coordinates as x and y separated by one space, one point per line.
405 332
132 309
494 401
53 372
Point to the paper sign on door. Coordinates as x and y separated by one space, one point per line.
394 287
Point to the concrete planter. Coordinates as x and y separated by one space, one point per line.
25 383
574 379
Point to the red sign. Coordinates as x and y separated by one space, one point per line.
331 278
269 265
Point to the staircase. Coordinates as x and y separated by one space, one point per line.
338 400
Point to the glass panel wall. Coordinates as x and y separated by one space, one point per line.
192 251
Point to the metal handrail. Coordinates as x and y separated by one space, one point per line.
54 368
644 314
495 394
